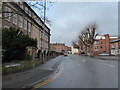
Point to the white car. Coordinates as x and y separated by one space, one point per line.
104 54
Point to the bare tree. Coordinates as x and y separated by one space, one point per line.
40 6
88 36
83 40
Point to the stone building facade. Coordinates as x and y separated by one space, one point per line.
21 15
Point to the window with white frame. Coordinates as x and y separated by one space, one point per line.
29 13
15 19
46 38
29 26
116 44
96 42
47 45
20 21
25 24
42 44
7 14
39 33
26 9
42 35
16 2
21 5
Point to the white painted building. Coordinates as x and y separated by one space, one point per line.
74 50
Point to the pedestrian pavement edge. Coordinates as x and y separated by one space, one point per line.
31 86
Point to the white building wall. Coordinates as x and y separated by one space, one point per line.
115 51
74 50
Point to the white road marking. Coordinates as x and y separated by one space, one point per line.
83 60
109 65
103 61
50 69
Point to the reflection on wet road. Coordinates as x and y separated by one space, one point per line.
85 72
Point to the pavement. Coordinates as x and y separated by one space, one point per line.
30 77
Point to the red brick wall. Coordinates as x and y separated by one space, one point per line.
104 45
58 47
119 44
107 43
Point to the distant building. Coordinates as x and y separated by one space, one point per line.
74 50
115 47
101 45
69 50
57 47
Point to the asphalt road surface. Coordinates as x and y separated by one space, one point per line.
85 72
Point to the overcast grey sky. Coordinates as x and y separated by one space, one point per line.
68 18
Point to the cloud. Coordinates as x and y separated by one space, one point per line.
69 18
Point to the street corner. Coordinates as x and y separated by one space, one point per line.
46 79
49 78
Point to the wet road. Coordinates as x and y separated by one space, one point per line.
85 72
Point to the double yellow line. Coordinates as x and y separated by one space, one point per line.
49 79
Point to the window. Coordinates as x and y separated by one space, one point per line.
29 13
116 44
96 47
29 26
47 45
101 42
16 2
39 33
42 35
21 5
96 42
42 43
15 19
26 9
20 21
25 24
7 14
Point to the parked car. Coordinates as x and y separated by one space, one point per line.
104 54
65 54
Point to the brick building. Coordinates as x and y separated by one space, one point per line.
115 47
21 15
101 45
59 47
68 48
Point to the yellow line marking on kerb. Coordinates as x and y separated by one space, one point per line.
49 79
